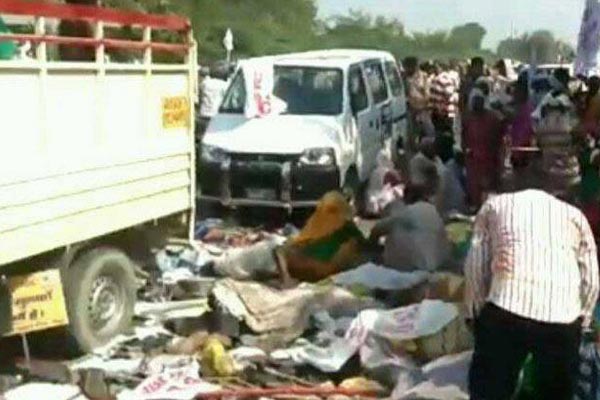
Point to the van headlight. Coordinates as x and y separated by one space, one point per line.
214 154
318 156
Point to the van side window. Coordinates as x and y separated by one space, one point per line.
376 81
396 84
234 101
358 92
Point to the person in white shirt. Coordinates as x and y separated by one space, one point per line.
212 91
531 287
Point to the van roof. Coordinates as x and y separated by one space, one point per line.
337 58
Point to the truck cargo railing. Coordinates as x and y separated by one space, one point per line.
99 18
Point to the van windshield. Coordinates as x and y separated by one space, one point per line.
305 90
309 90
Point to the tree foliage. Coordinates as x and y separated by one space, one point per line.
469 36
539 47
274 26
260 26
361 30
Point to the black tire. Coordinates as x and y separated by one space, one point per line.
101 295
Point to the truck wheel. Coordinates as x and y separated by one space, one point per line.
101 294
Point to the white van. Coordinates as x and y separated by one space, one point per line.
342 108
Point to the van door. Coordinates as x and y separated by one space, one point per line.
378 88
398 105
364 121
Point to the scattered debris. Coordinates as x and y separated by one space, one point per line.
177 384
47 391
362 383
253 262
214 322
371 276
161 312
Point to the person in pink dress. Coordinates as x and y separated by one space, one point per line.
520 130
482 138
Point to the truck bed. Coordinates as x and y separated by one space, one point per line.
88 149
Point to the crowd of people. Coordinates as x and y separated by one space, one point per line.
493 126
520 149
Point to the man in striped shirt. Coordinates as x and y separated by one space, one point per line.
532 285
444 96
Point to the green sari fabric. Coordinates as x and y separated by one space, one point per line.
325 249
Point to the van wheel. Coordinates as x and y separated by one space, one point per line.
101 295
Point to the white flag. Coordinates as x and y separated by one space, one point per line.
228 40
589 40
259 79
258 76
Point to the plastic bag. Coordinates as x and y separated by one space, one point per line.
587 384
588 376
249 263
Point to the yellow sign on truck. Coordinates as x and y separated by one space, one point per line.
37 302
175 112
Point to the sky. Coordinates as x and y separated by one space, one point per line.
562 17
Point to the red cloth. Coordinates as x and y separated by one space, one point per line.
521 132
592 213
483 138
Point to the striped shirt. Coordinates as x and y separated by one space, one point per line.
444 94
534 256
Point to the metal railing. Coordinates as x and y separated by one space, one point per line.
98 18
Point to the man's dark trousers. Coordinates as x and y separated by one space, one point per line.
502 342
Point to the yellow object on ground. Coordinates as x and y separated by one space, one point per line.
360 383
216 362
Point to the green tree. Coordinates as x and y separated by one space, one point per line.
358 29
259 26
540 47
262 27
469 36
361 30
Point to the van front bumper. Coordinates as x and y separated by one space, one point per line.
265 181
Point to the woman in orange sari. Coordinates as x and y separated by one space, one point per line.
328 244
